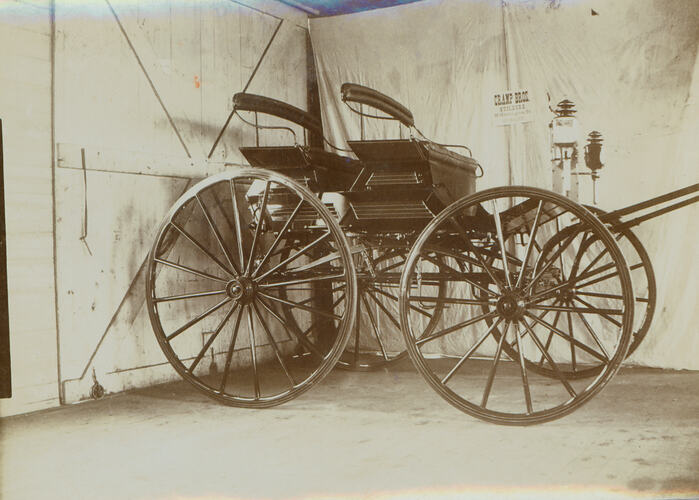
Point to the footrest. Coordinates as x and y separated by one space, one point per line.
391 210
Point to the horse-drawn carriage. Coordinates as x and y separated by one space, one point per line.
516 304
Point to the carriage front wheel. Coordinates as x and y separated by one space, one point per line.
539 289
236 257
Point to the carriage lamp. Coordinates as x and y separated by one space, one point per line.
593 160
564 149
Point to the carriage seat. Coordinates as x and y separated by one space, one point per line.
328 171
354 92
400 163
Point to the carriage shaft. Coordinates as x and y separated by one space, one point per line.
613 218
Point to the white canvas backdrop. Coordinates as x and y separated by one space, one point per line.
629 65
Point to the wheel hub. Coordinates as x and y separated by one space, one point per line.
511 305
241 289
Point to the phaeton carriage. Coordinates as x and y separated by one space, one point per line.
515 304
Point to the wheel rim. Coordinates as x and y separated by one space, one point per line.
217 283
481 359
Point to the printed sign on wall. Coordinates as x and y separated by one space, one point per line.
512 106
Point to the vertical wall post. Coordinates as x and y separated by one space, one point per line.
322 290
5 373
312 95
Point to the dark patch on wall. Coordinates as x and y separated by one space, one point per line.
5 373
313 95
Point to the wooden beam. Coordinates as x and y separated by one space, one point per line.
135 162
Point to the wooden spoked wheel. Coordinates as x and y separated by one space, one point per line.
543 291
235 257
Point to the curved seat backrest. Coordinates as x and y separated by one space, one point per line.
353 92
269 106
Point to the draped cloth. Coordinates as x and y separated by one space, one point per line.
629 66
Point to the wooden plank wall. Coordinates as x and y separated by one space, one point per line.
140 91
25 109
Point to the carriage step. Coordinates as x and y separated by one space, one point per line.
305 214
391 210
392 178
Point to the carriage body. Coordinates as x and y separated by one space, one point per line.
515 304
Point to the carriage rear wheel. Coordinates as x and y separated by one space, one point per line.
642 277
232 253
545 286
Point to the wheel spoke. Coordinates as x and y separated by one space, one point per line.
331 292
598 280
393 297
491 374
450 300
292 258
550 337
523 371
238 229
223 212
278 239
593 334
197 319
277 352
290 328
253 353
303 280
594 261
573 282
394 265
315 323
231 348
501 241
606 295
193 295
473 250
456 327
532 237
468 354
553 258
567 337
544 352
300 306
594 272
590 309
372 320
198 245
384 309
258 228
605 277
217 235
186 269
212 338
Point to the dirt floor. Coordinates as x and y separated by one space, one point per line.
383 435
